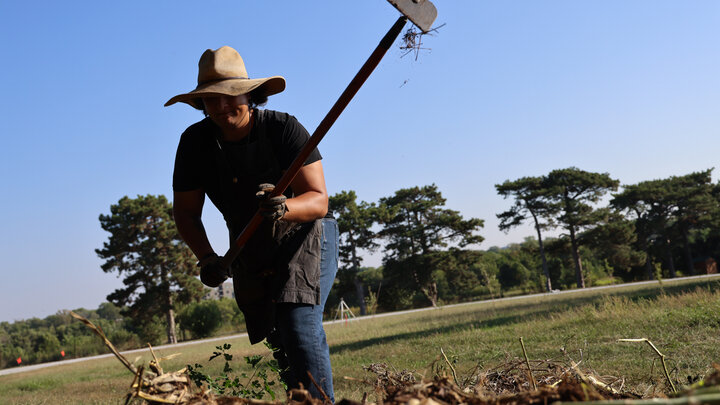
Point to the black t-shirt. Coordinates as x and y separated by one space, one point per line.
235 169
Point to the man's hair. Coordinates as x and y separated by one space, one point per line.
256 98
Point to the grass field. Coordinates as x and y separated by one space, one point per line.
681 318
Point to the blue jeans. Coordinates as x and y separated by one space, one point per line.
299 335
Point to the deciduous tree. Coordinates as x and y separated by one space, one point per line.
201 318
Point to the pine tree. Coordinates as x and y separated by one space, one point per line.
530 201
415 225
158 269
669 209
354 225
573 190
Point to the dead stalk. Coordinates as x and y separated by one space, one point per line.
98 331
662 358
527 362
155 363
450 365
325 397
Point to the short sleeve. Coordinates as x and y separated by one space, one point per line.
293 139
187 174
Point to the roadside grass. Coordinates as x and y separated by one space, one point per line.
681 318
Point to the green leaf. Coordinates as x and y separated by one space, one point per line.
253 360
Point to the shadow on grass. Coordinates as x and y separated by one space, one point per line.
399 337
523 312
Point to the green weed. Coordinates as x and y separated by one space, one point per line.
255 386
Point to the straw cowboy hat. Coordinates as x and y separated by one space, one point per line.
222 72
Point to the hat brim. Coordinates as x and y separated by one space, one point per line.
230 87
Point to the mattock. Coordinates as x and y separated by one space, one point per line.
422 13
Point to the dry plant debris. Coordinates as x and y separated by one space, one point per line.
506 384
154 385
388 379
158 387
511 383
412 40
662 358
295 397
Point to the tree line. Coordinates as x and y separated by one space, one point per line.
161 296
60 336
651 225
641 232
430 256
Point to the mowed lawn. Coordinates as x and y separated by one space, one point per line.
681 318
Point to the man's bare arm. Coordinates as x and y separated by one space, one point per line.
311 198
187 211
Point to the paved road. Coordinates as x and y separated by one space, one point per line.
193 342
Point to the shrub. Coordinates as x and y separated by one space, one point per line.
201 318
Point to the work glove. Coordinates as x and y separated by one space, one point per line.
271 208
212 274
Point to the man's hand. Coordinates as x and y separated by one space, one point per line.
271 208
212 274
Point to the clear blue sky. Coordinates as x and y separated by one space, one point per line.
509 89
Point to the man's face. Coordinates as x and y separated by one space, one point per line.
231 112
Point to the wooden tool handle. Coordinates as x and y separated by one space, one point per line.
318 135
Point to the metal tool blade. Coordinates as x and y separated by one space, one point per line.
421 12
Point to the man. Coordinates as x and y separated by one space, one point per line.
234 156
